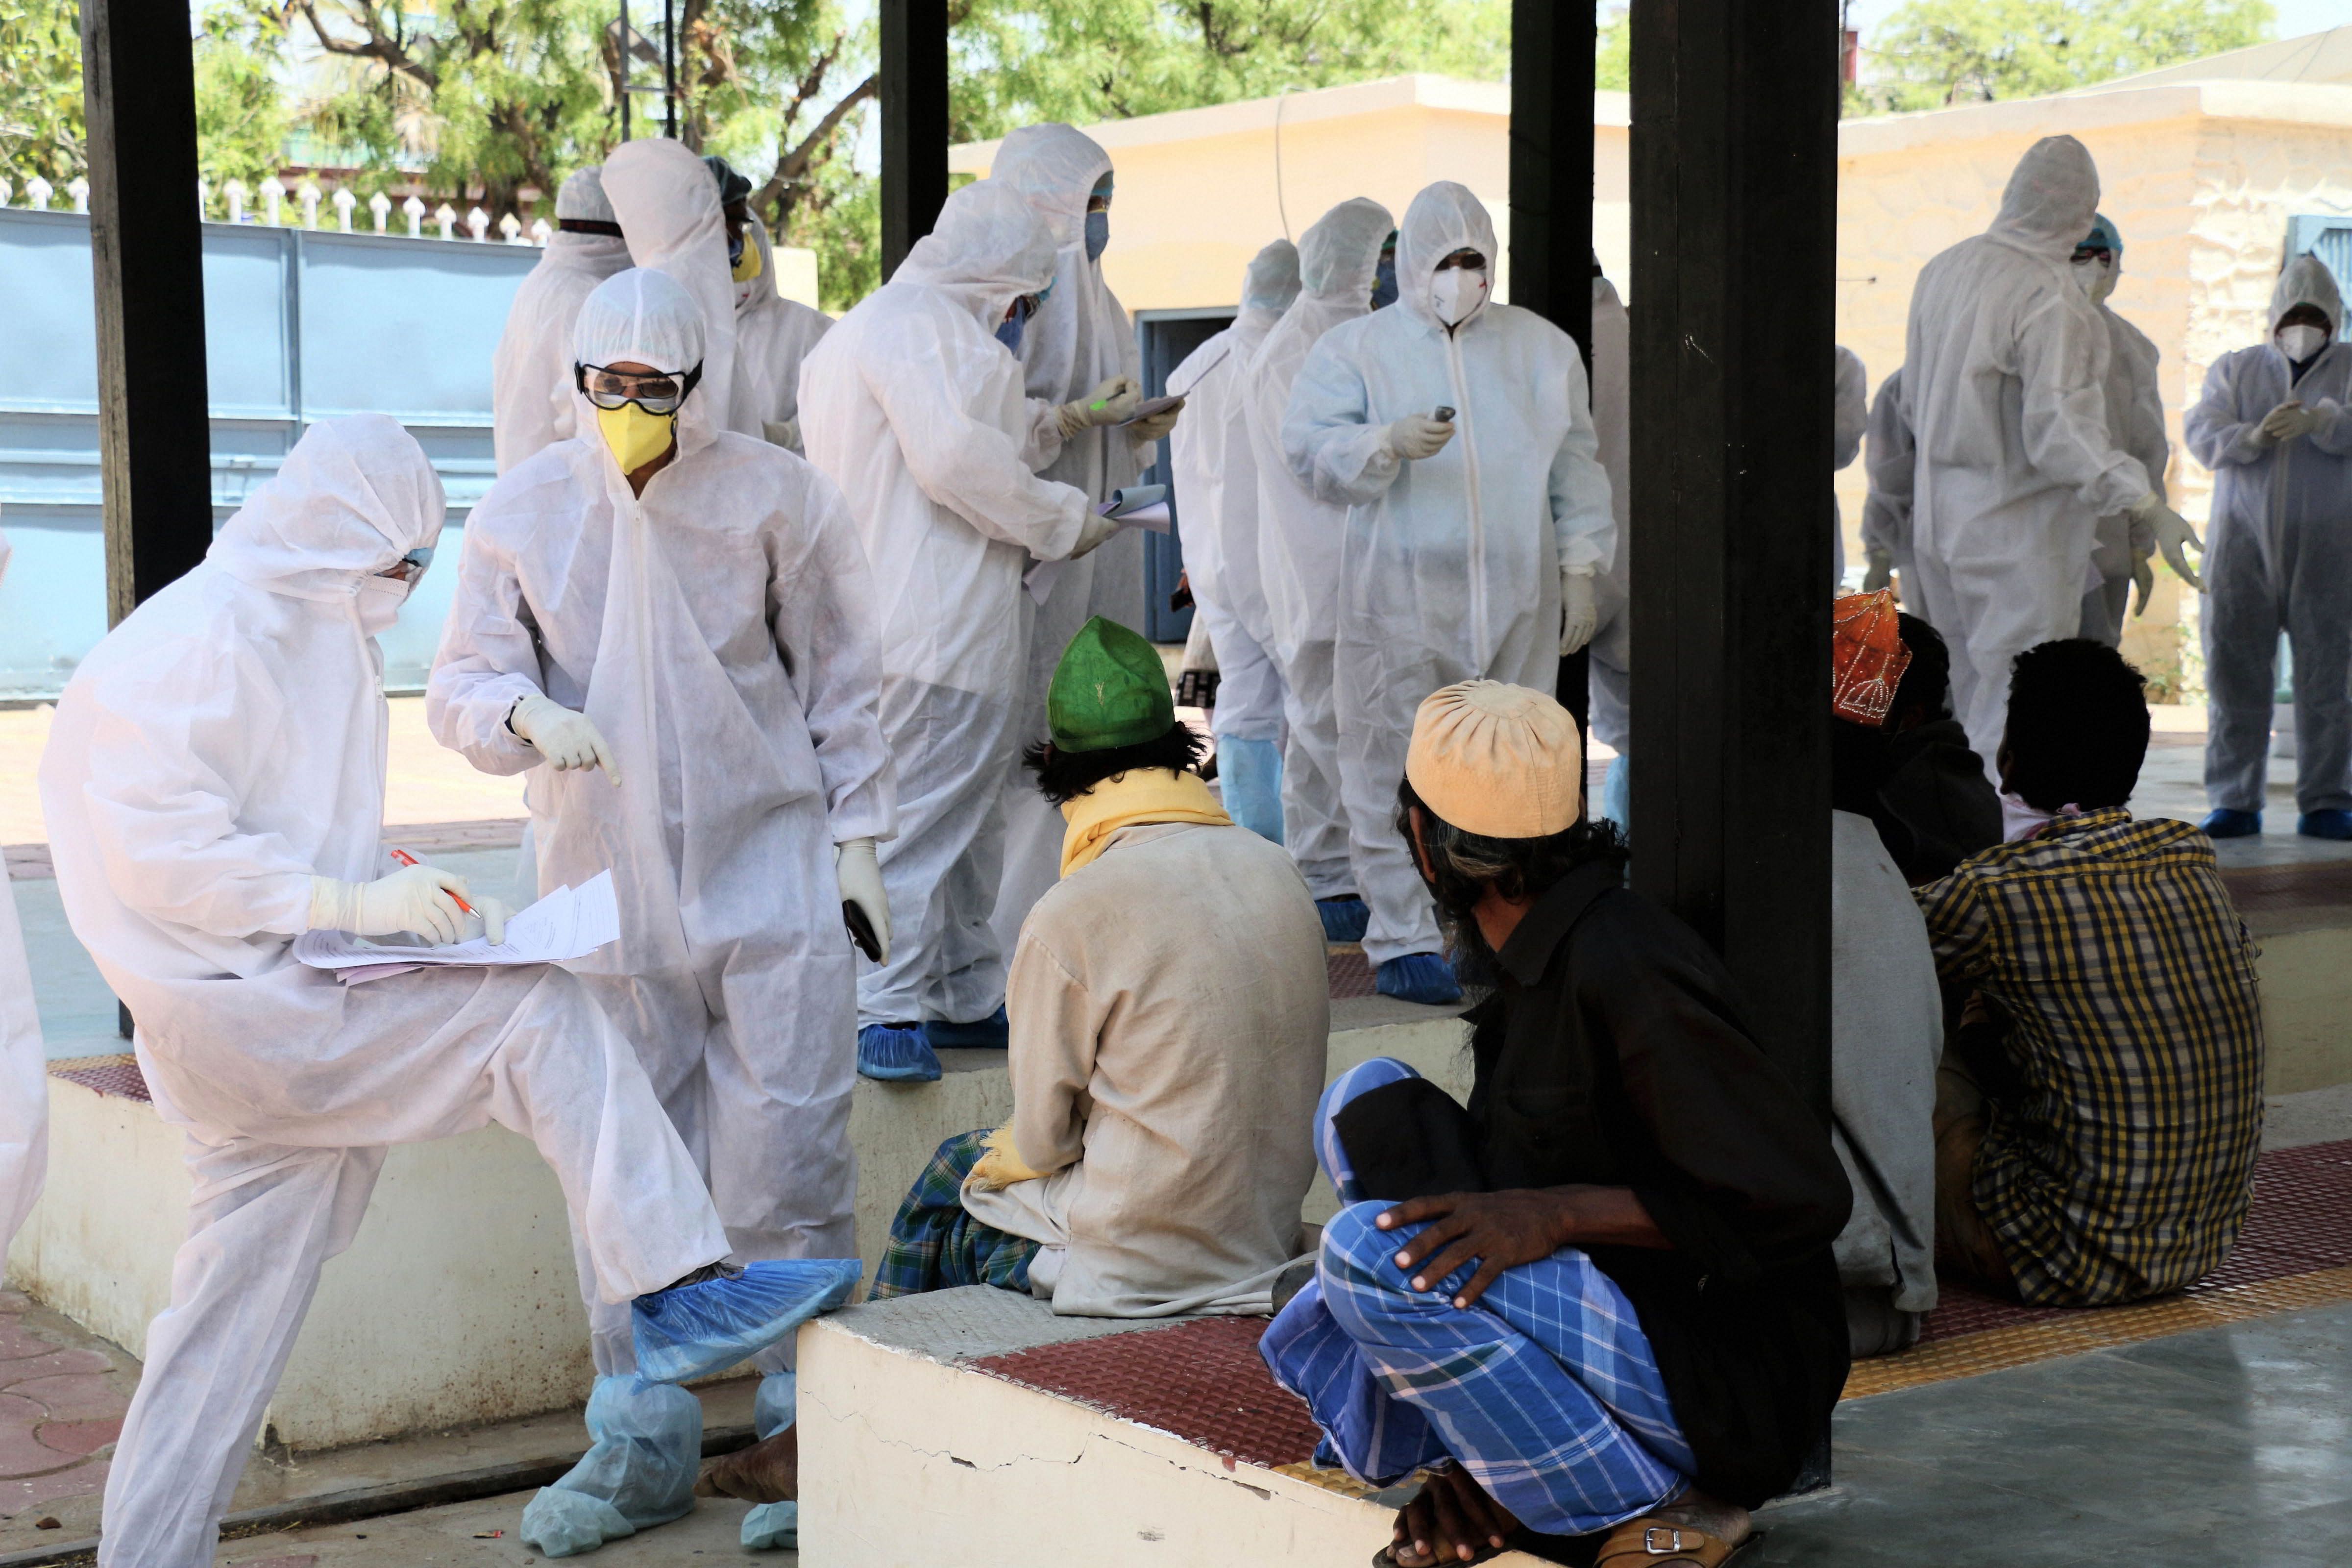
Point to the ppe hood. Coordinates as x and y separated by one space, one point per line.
988 248
667 207
2306 281
1444 218
2051 199
1338 257
1272 281
352 498
645 317
1056 167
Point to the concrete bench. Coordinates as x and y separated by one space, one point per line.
449 1310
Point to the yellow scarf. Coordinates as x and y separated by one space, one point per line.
1141 795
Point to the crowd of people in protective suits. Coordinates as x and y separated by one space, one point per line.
766 607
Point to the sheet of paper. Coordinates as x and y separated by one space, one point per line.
569 922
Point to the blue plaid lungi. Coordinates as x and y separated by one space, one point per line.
1546 1390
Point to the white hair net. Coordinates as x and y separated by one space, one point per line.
352 497
640 316
2308 281
988 248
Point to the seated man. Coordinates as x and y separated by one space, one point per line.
1602 1299
1929 797
1886 1014
2104 1149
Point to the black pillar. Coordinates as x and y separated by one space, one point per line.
914 73
1551 202
1735 204
147 254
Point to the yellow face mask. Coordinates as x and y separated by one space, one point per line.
635 436
749 267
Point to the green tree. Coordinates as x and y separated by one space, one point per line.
41 130
1932 53
243 117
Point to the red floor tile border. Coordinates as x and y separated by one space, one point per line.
1350 972
116 1075
2272 890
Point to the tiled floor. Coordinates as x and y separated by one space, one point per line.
62 1395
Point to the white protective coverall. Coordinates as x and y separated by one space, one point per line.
2135 420
221 747
2003 388
1079 337
24 1064
2281 543
1451 568
668 209
1610 681
1216 495
1890 460
773 336
717 631
1300 535
1849 418
531 374
912 406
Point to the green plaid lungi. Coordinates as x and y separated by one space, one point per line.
934 1245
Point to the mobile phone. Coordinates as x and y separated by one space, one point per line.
1149 407
861 930
1444 416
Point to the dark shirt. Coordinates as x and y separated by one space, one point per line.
1933 807
1614 1054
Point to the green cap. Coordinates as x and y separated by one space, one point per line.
1110 689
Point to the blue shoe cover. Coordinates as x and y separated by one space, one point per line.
773 1527
1417 977
2326 825
1249 777
645 1451
992 1033
897 1053
777 1404
2228 824
1344 920
693 1331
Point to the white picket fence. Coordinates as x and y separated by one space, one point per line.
40 194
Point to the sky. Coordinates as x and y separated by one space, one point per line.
2295 16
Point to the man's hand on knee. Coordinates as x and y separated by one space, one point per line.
1503 1230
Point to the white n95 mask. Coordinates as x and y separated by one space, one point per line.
1458 292
2299 343
379 603
2096 279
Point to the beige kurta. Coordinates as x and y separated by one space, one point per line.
1170 1017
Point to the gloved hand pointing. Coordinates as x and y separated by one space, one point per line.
860 875
1578 613
2290 419
2156 525
420 898
1109 402
1415 436
565 737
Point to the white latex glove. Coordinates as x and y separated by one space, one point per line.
566 739
1880 572
1097 530
1109 402
420 898
860 875
785 434
1416 436
1578 613
1143 432
2168 531
2288 420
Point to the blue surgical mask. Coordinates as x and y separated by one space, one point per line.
1385 283
1008 330
1097 235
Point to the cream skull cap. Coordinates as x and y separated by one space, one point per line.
1498 761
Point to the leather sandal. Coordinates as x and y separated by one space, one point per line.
1648 1540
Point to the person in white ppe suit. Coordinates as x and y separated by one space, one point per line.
1608 683
531 374
1216 497
1079 352
1474 543
2003 388
773 334
1299 555
213 786
672 627
24 1064
2275 424
2135 420
1849 418
667 201
1890 461
914 406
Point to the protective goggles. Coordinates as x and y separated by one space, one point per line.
411 566
2098 253
653 393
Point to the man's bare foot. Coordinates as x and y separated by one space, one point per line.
1452 1521
767 1472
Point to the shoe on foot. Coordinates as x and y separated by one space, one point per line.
2326 825
897 1053
644 1442
990 1034
1344 920
1418 977
773 1527
2225 823
691 1331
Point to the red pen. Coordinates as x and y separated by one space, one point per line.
405 859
